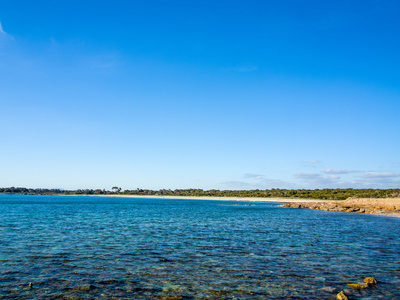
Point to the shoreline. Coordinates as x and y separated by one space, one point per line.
373 206
243 199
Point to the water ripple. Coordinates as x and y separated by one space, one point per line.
101 248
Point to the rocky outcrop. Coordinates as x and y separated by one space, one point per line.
369 281
365 206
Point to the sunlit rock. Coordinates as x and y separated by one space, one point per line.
370 281
342 296
357 286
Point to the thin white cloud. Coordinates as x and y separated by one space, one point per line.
253 176
332 180
315 176
382 180
310 163
316 180
379 175
4 36
329 178
259 182
335 171
307 176
237 184
278 184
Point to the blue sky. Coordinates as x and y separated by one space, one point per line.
200 94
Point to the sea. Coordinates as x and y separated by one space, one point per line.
73 247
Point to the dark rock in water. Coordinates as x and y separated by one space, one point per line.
110 282
218 292
357 286
370 281
86 287
163 259
342 296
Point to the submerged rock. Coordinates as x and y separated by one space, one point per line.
328 289
86 287
342 296
370 281
357 286
218 292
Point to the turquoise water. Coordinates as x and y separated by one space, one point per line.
127 248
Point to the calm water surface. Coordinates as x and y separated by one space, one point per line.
126 248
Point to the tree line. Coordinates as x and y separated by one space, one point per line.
324 194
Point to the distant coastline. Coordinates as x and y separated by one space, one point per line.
249 199
376 206
315 194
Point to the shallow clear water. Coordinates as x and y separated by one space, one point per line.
102 248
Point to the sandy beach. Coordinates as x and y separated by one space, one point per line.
249 199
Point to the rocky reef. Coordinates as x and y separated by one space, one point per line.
369 282
363 205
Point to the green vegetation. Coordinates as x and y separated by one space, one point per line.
325 194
